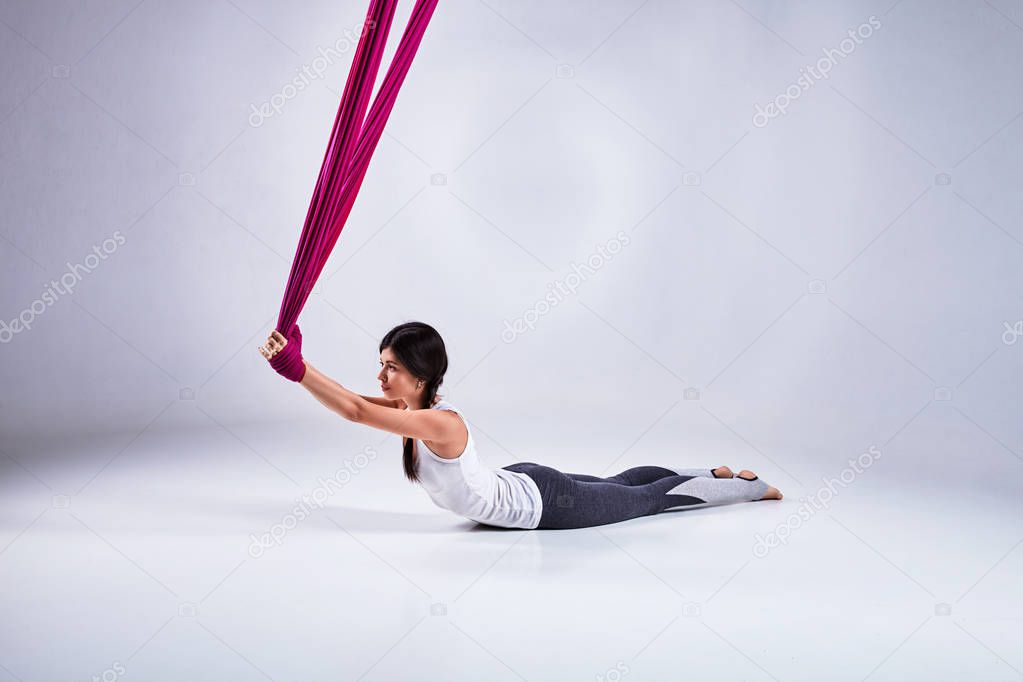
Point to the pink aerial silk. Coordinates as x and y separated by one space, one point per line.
349 150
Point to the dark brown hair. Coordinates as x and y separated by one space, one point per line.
421 350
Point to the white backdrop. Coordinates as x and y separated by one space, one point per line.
774 235
818 276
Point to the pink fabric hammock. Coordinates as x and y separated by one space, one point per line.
351 145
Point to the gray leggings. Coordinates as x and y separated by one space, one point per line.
580 500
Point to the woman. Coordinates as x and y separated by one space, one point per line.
440 454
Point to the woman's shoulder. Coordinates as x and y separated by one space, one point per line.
449 407
468 448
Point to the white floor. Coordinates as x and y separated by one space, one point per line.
134 559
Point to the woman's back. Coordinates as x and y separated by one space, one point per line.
496 497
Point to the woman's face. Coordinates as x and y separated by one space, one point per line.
395 380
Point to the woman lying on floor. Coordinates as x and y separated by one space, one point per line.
440 454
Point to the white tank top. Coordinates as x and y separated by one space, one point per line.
496 497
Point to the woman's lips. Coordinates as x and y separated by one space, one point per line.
384 387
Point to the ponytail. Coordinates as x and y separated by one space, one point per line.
408 461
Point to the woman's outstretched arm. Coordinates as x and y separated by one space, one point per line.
431 425
386 402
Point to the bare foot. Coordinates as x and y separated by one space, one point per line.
772 492
722 472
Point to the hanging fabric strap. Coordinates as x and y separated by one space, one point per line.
351 145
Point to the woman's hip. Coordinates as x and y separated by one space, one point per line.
570 503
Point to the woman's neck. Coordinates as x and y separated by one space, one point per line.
410 406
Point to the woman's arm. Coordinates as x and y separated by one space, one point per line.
386 402
431 425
